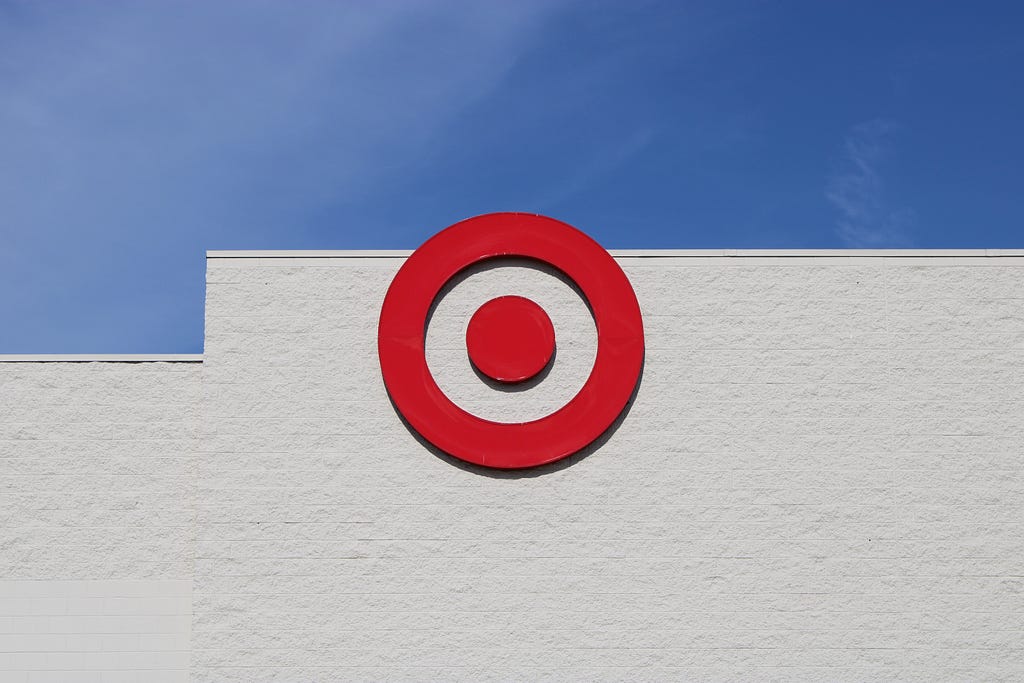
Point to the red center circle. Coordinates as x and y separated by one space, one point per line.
510 339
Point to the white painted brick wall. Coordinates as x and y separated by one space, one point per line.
820 479
97 529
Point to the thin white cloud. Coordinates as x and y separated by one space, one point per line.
856 189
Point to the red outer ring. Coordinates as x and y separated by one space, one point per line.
401 335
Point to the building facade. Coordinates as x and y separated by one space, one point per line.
818 477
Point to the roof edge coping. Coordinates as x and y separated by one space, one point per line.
639 253
101 358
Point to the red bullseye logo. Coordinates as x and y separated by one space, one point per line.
510 339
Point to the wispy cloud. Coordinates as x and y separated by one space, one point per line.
856 189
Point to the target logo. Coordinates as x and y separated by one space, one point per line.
510 340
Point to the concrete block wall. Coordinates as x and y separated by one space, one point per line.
819 479
97 528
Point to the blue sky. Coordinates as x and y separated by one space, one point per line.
134 136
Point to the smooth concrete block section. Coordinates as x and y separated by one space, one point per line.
95 630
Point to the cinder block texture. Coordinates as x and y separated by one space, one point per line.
819 479
97 528
97 470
